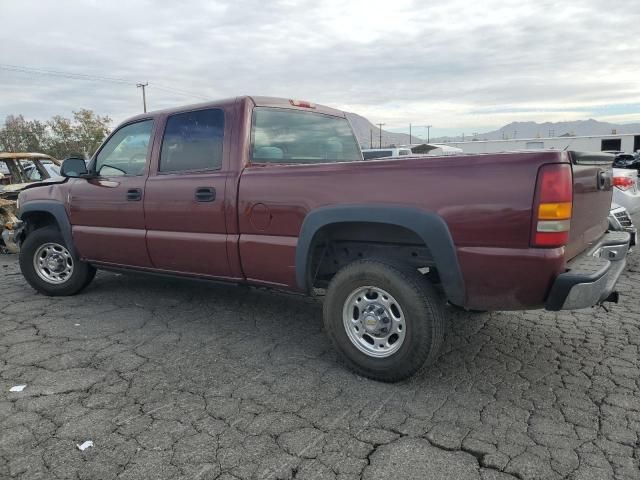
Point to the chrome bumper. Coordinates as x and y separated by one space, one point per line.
591 277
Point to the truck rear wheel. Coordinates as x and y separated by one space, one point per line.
49 267
385 320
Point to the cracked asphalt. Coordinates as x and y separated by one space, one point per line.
178 379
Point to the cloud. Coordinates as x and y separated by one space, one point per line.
453 64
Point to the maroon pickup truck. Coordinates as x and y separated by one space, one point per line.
275 192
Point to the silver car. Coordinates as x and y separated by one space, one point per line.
625 191
619 220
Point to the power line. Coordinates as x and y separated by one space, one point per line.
56 73
181 92
92 77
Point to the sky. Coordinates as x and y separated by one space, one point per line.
455 64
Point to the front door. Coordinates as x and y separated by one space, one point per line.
107 214
185 197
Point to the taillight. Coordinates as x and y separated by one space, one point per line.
553 206
623 183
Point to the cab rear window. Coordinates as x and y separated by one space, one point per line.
291 136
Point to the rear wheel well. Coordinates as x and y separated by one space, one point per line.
338 244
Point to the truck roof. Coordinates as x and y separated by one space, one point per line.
258 101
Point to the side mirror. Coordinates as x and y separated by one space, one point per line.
73 168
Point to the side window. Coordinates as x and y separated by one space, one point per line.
125 153
193 141
290 136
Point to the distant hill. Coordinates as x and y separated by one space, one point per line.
363 128
551 129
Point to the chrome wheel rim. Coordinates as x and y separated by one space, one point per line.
53 263
374 321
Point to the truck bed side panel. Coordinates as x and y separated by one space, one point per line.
486 200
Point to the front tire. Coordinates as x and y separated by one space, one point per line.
49 267
385 320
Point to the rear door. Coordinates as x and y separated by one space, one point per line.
185 196
592 191
106 212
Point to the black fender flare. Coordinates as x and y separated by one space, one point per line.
430 227
59 213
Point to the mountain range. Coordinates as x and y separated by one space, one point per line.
369 134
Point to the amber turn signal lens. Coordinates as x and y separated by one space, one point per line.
554 211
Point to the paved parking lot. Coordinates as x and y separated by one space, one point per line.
176 379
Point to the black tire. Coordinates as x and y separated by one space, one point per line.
81 276
423 312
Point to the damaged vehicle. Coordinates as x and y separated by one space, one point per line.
17 171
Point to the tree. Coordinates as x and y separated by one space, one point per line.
59 137
62 141
79 137
20 135
91 130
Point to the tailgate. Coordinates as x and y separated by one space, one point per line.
592 173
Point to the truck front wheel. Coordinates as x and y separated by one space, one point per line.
385 320
49 267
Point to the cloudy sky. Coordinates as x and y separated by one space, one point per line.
455 64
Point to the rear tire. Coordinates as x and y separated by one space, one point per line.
49 267
369 299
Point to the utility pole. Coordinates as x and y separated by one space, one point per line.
144 96
410 135
428 132
380 125
371 138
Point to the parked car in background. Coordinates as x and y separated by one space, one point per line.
370 153
18 170
625 191
22 168
423 150
620 221
627 160
34 174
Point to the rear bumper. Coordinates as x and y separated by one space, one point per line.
591 277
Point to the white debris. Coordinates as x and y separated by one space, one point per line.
17 388
85 445
77 324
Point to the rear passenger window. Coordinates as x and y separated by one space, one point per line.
193 141
290 136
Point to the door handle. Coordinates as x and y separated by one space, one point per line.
205 194
134 194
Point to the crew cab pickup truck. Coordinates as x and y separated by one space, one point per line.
275 192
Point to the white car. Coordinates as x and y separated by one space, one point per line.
625 191
424 150
371 153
